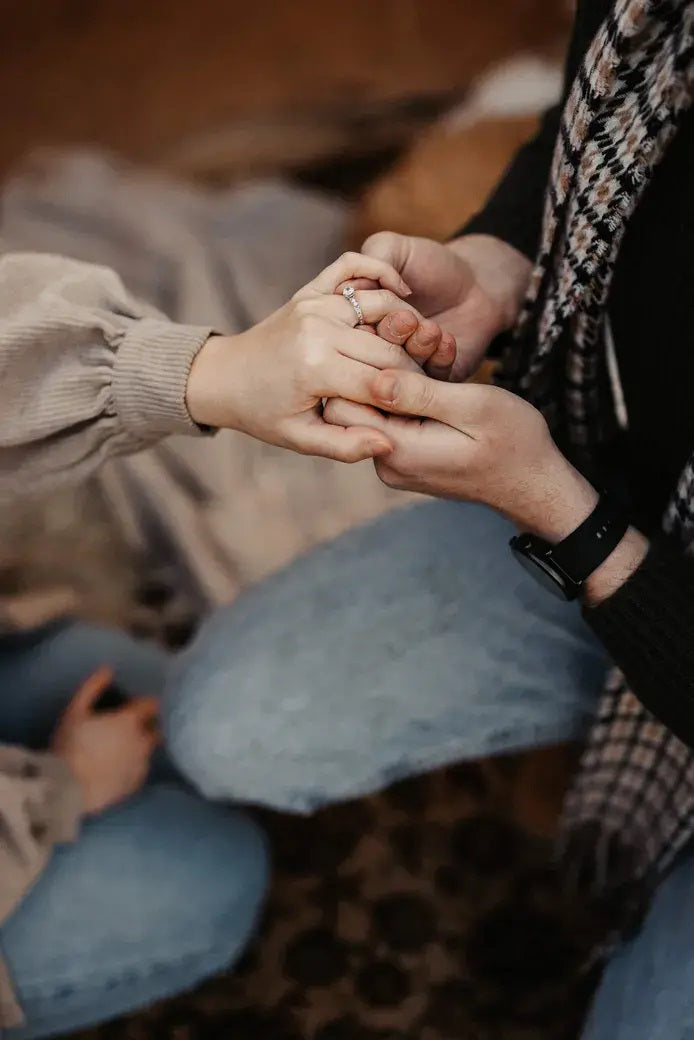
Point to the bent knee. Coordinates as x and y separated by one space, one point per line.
225 868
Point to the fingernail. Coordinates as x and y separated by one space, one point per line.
405 289
405 320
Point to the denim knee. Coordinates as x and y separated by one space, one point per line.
228 753
164 891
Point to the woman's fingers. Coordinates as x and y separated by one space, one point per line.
339 412
350 444
89 692
375 351
347 377
146 711
375 304
357 283
355 265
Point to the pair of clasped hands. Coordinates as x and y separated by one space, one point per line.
397 396
307 379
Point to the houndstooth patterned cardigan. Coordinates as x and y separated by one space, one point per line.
631 808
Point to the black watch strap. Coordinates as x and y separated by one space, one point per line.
582 552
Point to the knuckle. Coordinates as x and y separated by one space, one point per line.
394 352
304 307
349 258
425 396
312 356
391 301
379 244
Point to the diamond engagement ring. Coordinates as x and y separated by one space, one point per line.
348 293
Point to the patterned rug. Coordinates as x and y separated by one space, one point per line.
422 913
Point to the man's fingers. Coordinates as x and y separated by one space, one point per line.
343 376
339 412
398 326
90 691
440 363
412 393
351 444
424 342
388 246
355 265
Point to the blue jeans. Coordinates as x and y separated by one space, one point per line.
155 895
407 644
412 642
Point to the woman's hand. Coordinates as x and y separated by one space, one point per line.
108 752
477 443
270 381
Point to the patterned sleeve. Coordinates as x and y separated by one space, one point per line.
514 210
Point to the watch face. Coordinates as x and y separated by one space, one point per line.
540 569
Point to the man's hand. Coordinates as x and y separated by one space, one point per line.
472 287
108 752
476 443
483 444
270 381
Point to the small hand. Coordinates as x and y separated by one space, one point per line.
476 443
472 287
108 752
422 338
270 381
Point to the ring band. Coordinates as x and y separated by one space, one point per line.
348 293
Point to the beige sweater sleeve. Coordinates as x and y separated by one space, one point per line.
40 806
86 371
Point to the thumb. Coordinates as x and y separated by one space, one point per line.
413 393
90 691
388 246
145 710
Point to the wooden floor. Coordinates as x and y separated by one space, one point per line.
140 76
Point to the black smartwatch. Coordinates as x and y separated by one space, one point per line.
563 568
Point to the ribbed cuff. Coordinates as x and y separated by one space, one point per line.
150 376
64 804
647 627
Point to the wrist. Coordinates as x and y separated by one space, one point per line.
501 267
78 774
212 391
619 566
563 501
572 501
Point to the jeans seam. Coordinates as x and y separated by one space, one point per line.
122 976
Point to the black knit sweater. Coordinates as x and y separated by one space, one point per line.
647 626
